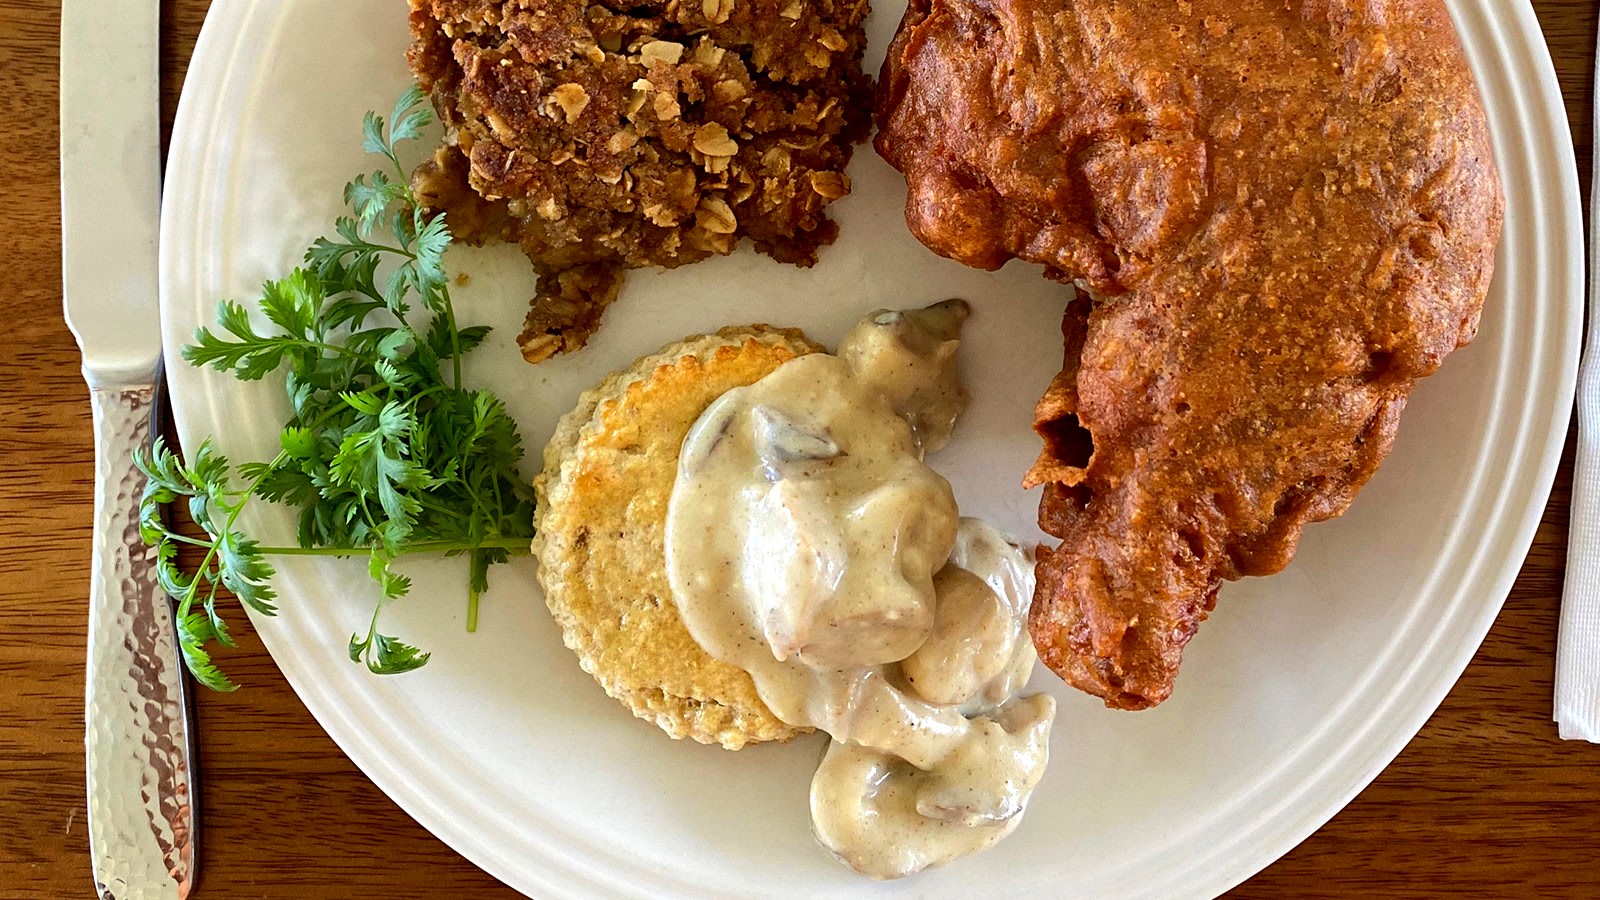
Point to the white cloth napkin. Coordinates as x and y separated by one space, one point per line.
1578 649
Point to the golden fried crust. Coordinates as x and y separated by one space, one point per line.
601 525
1288 214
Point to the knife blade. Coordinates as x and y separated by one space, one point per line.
138 737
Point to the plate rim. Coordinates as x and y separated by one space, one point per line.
1546 140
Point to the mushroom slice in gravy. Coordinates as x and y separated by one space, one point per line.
808 544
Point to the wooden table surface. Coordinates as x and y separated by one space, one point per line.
1485 802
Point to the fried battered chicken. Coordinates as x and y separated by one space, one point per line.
1285 214
602 135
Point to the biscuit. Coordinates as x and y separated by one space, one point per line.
600 527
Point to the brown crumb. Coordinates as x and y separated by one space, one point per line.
605 136
566 305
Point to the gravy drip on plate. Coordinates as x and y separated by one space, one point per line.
808 544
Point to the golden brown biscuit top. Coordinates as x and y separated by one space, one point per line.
600 533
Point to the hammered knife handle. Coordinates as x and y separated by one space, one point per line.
138 744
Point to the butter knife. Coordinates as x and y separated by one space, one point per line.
138 735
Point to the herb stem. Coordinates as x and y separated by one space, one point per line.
510 545
321 345
187 602
382 248
455 336
185 539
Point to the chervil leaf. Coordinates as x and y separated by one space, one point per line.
235 320
392 345
284 484
433 239
394 420
208 469
219 628
194 631
443 343
292 302
363 402
168 575
163 484
409 116
398 288
350 311
298 442
391 374
251 357
388 656
385 452
372 139
370 199
246 572
391 583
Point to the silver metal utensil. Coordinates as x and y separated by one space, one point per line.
138 737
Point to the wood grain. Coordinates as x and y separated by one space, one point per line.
1486 802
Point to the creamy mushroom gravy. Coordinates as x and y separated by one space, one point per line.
808 544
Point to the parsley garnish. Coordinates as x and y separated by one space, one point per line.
386 454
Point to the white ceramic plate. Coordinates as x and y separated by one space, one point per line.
1293 697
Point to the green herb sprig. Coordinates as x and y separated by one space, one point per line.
386 453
